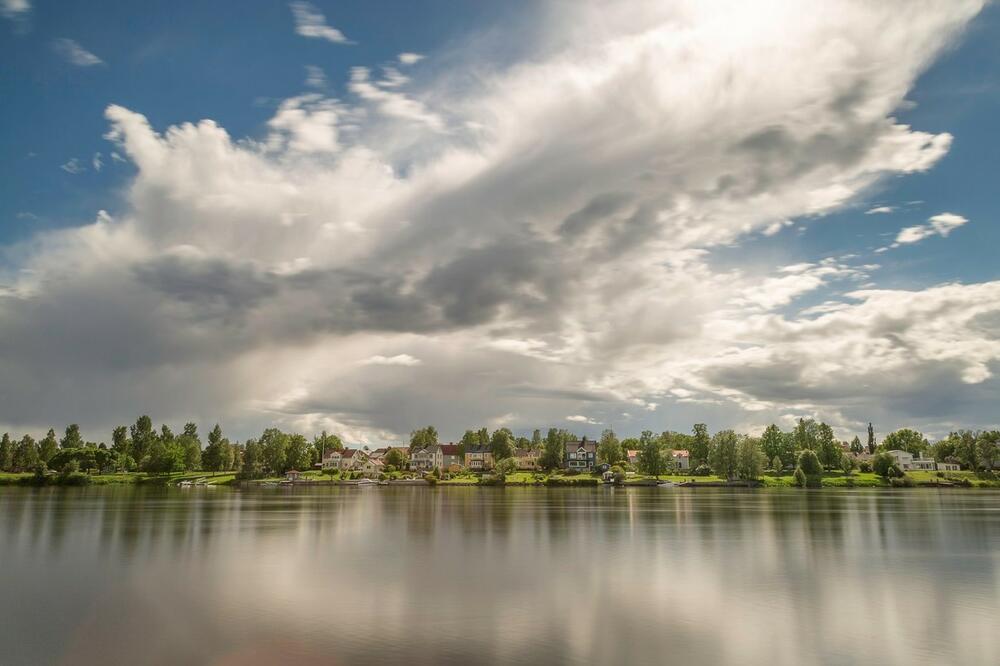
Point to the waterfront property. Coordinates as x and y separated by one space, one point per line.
526 459
909 462
479 458
682 459
446 457
346 460
581 455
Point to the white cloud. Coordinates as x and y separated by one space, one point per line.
76 54
97 162
390 103
579 418
398 359
305 124
315 77
938 225
310 22
14 9
880 210
73 166
410 58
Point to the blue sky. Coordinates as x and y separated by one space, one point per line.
423 222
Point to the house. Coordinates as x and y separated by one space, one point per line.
371 468
633 456
344 460
580 455
948 467
292 475
526 459
479 458
381 453
422 460
449 457
682 458
908 462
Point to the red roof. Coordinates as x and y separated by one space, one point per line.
450 449
682 452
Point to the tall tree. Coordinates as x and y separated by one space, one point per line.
772 442
297 454
806 435
722 454
142 437
651 459
856 447
252 460
120 441
191 446
48 446
554 452
423 437
6 453
484 437
274 446
536 440
988 449
749 458
609 450
502 444
72 440
324 443
827 447
965 448
470 440
26 454
699 445
907 440
871 439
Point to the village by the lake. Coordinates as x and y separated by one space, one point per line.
807 456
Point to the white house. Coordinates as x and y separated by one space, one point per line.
908 462
344 460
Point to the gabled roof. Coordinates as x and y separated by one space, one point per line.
524 453
681 452
450 449
482 448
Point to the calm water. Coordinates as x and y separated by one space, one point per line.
522 576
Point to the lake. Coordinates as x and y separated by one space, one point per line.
498 576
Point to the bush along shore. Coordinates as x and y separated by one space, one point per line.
808 456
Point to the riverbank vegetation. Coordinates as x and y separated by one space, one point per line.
807 456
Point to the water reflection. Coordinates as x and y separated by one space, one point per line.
459 575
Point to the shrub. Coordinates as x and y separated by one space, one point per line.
584 481
431 479
847 464
702 470
940 474
776 465
800 477
903 481
865 466
882 464
619 474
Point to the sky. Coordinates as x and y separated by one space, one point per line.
368 217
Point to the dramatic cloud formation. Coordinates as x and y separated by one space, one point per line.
310 22
541 239
76 54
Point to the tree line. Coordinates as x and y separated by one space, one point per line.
726 453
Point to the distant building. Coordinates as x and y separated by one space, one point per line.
633 456
292 475
526 459
479 458
682 458
948 467
908 462
347 459
580 455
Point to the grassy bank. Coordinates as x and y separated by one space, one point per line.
830 479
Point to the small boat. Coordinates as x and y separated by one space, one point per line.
667 484
184 484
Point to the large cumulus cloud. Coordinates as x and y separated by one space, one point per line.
537 236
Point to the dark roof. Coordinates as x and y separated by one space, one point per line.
482 448
450 449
